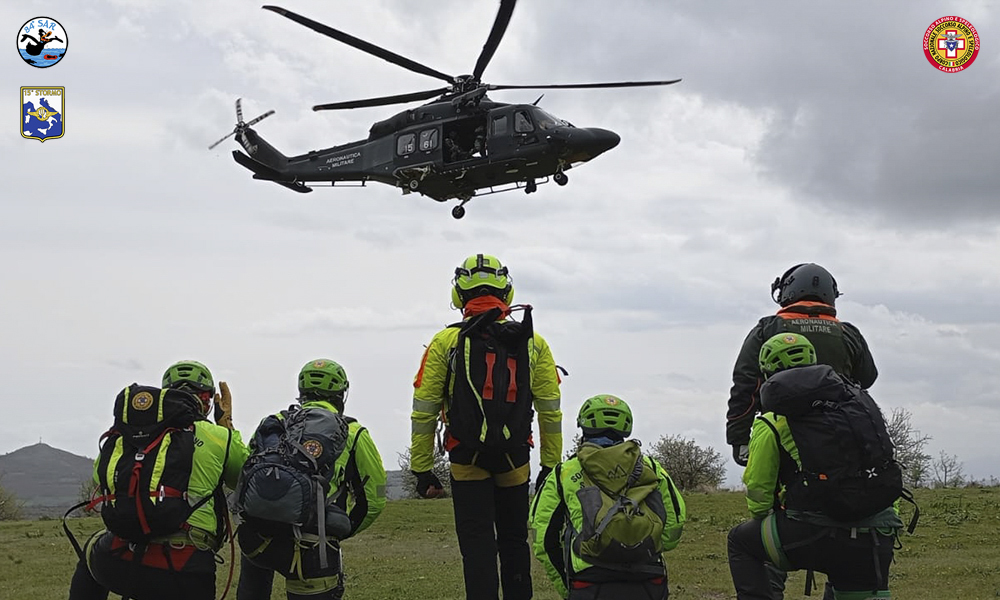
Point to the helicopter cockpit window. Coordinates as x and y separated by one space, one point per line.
406 144
500 125
428 140
547 121
522 122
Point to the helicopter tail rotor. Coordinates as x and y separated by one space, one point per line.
240 129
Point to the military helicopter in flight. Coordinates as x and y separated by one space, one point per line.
460 145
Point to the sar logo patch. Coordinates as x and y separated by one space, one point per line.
790 338
611 400
142 401
951 44
43 113
42 42
314 448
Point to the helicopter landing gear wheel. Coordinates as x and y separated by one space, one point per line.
531 187
560 178
413 184
458 212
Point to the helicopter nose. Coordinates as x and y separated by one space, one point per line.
585 144
603 140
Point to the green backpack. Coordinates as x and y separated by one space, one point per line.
623 510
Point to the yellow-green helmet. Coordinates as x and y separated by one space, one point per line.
325 379
481 275
603 413
785 350
189 374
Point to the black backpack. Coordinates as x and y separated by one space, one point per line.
145 463
849 471
285 481
491 402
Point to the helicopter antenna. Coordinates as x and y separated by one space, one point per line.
535 103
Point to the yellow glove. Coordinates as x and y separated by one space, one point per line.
224 406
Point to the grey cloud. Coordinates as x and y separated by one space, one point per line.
127 364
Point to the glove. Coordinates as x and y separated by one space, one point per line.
224 406
542 474
428 484
741 453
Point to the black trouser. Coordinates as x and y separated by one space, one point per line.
256 582
850 563
492 521
778 577
140 582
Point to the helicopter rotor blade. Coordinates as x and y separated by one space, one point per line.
360 44
384 100
239 111
574 86
260 118
496 34
224 138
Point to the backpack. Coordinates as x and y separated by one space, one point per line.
145 462
622 508
285 481
491 401
849 471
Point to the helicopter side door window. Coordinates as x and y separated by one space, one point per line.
406 144
499 125
522 122
428 140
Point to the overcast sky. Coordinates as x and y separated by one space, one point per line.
800 133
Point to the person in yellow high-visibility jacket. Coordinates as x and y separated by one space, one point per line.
488 454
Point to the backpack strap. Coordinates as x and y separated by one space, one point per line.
908 496
785 457
221 511
355 482
69 534
671 489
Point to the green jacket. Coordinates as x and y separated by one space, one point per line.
430 399
765 478
207 467
838 344
358 485
557 504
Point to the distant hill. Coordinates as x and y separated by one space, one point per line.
46 479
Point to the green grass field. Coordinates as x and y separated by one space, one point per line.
411 552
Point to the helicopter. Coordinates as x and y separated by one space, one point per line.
460 145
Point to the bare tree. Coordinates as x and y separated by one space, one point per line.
10 506
689 465
910 444
948 471
441 469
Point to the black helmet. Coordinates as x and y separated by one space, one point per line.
805 281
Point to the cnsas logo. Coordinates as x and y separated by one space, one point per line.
42 42
951 44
